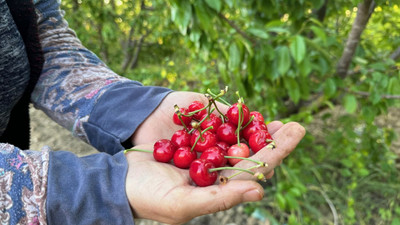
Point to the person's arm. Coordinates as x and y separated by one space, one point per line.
57 187
78 91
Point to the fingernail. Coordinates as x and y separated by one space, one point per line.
253 195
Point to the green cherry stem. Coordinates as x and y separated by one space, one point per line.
231 168
200 136
137 150
250 120
235 174
239 105
263 164
218 97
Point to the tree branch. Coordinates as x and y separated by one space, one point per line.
367 94
364 12
396 54
236 28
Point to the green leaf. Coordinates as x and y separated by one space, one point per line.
293 89
283 59
330 87
258 33
350 103
204 17
320 33
181 13
234 57
214 4
394 86
298 48
281 200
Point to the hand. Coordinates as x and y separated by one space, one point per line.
163 192
160 125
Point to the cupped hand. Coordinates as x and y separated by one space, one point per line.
159 124
165 193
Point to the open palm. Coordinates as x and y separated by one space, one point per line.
165 193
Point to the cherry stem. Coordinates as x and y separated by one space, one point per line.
208 116
200 136
263 164
137 150
235 174
251 119
239 105
218 97
231 168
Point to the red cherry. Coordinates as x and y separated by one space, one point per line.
183 157
200 174
259 140
223 146
215 155
186 120
181 138
207 140
163 150
257 116
253 126
213 121
241 150
227 133
233 114
196 105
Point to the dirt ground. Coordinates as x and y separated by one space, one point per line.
46 132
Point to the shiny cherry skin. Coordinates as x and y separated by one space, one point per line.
215 155
181 138
259 140
227 133
186 120
233 114
253 126
223 146
208 139
241 150
183 157
257 116
213 120
163 150
200 174
196 105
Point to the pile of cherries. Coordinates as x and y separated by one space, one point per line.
211 141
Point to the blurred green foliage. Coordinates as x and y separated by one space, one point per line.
283 57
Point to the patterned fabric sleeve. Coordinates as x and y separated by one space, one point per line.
23 184
78 91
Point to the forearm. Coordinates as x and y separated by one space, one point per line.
57 187
78 91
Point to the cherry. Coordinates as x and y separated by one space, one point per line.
181 138
227 133
196 105
215 155
183 157
163 150
186 119
200 174
233 114
259 140
257 115
223 146
206 140
241 150
213 121
253 126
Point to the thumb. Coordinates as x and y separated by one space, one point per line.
211 199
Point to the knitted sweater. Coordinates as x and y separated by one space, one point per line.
81 93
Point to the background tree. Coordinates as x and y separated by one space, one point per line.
335 61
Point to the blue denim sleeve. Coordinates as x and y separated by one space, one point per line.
87 190
78 91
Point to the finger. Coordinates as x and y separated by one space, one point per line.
274 126
286 140
211 199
